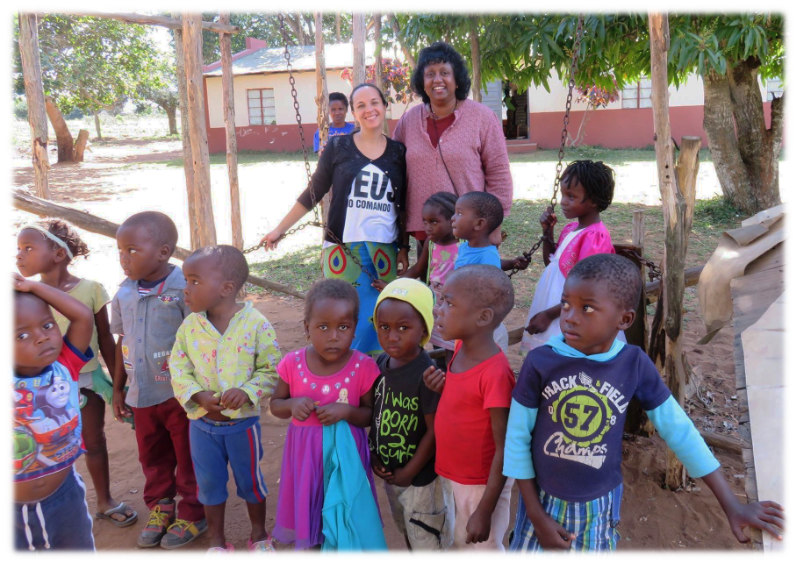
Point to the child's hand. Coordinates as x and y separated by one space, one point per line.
379 469
208 401
538 323
478 526
765 515
21 284
552 535
379 284
548 220
332 413
434 379
400 477
522 262
402 261
234 399
302 407
121 410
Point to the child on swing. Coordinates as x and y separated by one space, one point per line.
321 385
564 438
587 189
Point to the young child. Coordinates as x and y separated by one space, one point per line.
476 216
222 365
50 509
47 248
470 423
337 111
564 438
587 188
321 385
146 312
439 252
401 436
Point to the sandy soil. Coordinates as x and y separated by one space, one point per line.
118 181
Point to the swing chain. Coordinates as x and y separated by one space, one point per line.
564 133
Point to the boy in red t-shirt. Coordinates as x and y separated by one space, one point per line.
470 422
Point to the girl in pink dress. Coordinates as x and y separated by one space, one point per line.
439 253
587 188
321 384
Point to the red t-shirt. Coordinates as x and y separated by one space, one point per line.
463 426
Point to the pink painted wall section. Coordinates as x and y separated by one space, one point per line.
619 128
269 138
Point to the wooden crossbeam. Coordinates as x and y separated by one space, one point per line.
163 21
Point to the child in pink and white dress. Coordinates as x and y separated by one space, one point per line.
587 188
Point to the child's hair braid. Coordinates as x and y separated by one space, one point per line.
445 201
596 178
68 234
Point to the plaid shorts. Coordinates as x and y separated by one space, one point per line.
593 522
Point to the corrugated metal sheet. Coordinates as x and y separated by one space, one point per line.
271 59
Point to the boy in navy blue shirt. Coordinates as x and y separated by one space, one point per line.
564 437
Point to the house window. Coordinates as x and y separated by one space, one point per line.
774 88
261 106
637 95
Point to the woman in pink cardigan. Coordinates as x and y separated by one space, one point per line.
452 144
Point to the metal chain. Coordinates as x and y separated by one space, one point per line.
576 47
318 222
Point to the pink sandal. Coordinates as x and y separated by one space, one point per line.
261 545
220 549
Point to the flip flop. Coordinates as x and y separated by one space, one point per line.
129 514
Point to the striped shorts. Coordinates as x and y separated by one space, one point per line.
593 522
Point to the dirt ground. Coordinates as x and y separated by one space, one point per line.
117 181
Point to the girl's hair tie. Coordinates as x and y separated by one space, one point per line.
49 235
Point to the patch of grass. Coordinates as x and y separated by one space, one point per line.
298 269
716 211
612 157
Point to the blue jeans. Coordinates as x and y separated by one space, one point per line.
60 521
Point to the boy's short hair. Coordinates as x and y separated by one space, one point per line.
330 289
228 259
158 224
596 178
489 287
622 279
338 97
486 206
22 295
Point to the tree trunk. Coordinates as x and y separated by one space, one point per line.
322 106
745 153
193 60
97 126
64 139
359 56
80 145
677 187
378 54
172 117
34 94
338 27
188 172
231 157
475 55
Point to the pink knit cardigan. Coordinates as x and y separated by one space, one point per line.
474 149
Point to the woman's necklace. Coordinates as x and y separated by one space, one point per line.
436 117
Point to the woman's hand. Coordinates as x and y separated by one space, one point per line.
270 240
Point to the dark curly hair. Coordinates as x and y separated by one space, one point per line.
331 288
621 279
486 206
596 178
441 52
228 259
66 232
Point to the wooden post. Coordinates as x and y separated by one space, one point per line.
34 94
188 171
359 57
193 60
322 104
230 132
378 53
677 195
475 55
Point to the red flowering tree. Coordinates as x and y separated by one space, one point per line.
595 97
396 79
